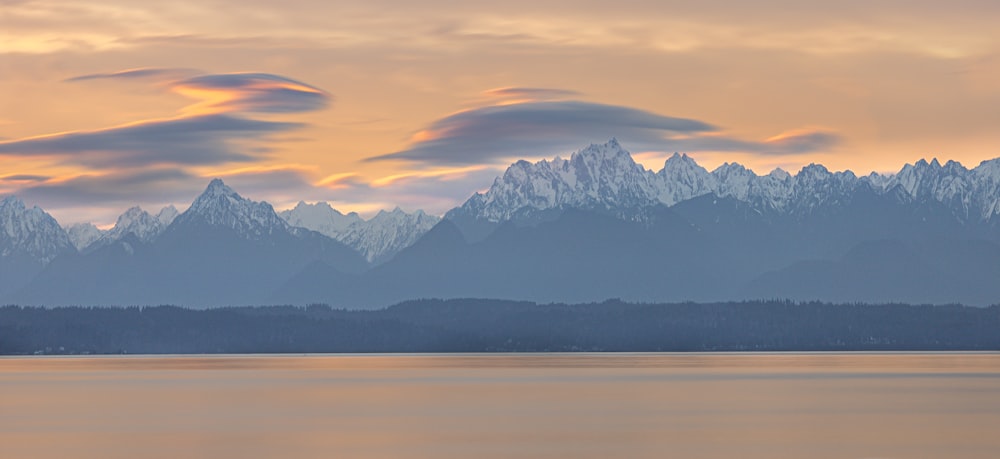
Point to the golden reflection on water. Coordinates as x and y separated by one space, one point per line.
795 405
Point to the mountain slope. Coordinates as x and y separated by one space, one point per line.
598 225
592 227
378 239
605 177
83 234
29 240
224 249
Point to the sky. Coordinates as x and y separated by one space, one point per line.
105 104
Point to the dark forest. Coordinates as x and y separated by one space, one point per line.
476 325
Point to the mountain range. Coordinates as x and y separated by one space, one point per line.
594 226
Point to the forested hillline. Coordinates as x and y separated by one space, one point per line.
477 325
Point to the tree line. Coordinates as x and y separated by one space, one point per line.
478 325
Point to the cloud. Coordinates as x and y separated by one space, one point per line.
228 92
124 187
435 191
487 134
801 141
252 92
214 130
195 140
794 142
274 184
530 93
493 134
24 178
101 197
154 73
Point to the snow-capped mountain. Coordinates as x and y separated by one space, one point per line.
606 177
594 226
322 218
220 206
167 215
602 176
972 194
137 222
141 224
387 233
225 249
30 232
29 240
83 234
378 238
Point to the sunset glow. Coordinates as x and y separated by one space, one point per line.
373 105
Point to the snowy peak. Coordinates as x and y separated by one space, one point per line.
30 232
167 215
605 176
144 226
388 232
136 222
601 176
681 179
82 235
962 190
377 239
320 217
215 196
220 206
680 165
608 157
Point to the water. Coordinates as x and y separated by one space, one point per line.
896 405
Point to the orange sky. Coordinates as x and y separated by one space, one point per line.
291 100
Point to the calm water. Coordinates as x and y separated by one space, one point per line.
501 406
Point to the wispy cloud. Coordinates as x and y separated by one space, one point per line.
138 74
24 178
123 188
530 93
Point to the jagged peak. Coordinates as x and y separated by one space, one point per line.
219 188
216 191
221 206
609 150
989 168
814 170
316 205
82 235
13 202
30 231
680 161
397 213
132 212
167 214
728 168
595 176
137 222
780 174
319 206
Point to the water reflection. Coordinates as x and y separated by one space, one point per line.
534 405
